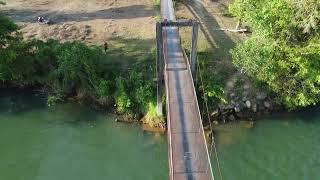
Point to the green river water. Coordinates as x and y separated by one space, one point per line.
72 142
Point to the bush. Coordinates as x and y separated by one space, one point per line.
138 86
284 50
74 69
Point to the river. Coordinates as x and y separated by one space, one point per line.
280 147
73 142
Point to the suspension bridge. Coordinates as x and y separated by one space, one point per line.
188 152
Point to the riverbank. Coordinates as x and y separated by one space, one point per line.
112 70
117 71
76 72
230 94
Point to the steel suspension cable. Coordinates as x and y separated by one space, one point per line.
213 144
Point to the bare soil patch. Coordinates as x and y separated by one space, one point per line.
90 21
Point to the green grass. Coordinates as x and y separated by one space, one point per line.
157 6
152 118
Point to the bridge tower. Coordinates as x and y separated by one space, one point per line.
192 61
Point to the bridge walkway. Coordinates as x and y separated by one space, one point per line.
188 152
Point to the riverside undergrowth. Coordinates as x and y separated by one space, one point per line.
119 78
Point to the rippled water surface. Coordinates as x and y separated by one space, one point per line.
70 142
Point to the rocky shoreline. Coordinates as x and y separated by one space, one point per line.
245 109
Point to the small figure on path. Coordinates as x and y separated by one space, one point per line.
105 46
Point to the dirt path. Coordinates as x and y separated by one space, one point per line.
91 21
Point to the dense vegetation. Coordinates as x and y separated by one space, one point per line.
73 69
284 49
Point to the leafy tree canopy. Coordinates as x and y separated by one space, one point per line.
73 69
284 49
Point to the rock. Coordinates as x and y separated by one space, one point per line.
230 84
224 119
246 86
248 104
231 117
255 108
245 93
244 99
267 104
261 95
215 113
237 108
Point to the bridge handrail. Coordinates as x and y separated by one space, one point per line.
197 104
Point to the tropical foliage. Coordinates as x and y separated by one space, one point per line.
284 49
73 69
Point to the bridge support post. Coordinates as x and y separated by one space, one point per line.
193 54
159 67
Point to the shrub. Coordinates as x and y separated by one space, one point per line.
284 50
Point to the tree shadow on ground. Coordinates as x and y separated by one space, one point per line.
127 54
219 40
128 51
128 12
219 57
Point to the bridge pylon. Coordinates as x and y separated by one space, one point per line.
192 61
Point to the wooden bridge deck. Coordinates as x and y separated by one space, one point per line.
188 152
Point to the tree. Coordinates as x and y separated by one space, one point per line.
7 40
284 49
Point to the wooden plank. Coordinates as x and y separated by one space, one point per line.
191 126
183 91
189 153
193 176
